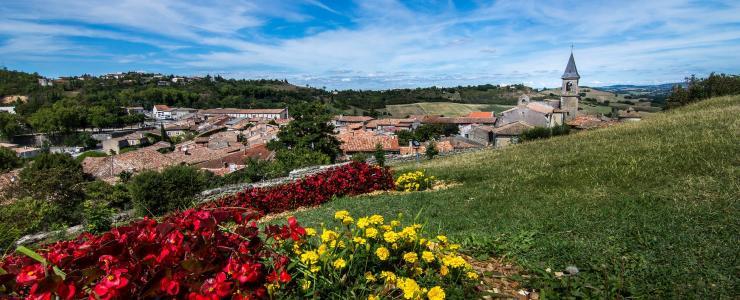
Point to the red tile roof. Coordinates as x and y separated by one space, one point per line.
162 107
224 111
238 158
514 128
353 119
480 114
365 141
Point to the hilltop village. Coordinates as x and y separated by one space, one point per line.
223 140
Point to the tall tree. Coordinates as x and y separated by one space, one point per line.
310 129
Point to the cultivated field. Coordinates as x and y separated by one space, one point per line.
440 108
647 209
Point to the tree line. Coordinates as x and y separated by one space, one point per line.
698 89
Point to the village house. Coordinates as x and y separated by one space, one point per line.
540 114
236 161
363 141
260 134
509 133
130 140
164 112
133 110
109 168
392 125
342 121
22 151
268 114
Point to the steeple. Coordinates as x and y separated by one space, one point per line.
571 72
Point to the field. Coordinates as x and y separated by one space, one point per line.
647 209
441 108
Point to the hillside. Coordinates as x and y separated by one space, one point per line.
440 108
598 101
646 209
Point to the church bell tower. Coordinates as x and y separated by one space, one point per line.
569 96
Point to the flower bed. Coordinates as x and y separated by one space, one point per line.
414 181
208 252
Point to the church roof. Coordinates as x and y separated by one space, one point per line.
571 72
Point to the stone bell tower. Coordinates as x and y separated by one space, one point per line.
569 91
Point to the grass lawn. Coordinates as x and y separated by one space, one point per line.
440 108
644 209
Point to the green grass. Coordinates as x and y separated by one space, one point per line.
441 108
647 209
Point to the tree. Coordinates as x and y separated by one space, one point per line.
163 134
9 160
10 125
310 130
431 150
56 178
155 193
379 155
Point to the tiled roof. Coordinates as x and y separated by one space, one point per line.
194 153
540 107
365 141
162 107
353 119
224 111
588 122
238 158
480 114
107 168
390 122
515 128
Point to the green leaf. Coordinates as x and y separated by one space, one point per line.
3 272
30 253
60 273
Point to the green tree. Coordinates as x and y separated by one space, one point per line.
379 155
10 125
57 178
310 129
155 193
9 160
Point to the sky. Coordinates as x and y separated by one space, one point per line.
376 44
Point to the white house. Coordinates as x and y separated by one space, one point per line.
269 114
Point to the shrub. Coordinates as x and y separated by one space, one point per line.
371 258
360 157
414 181
431 150
116 196
535 134
98 216
379 155
57 178
21 217
9 160
155 193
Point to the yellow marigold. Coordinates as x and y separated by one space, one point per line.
418 271
386 227
322 249
427 256
329 236
309 257
340 215
442 238
409 287
390 237
395 223
373 297
454 261
305 284
310 231
422 241
472 275
410 257
388 276
436 293
358 240
382 253
453 247
348 220
363 222
297 248
376 219
369 277
339 264
444 271
371 233
315 269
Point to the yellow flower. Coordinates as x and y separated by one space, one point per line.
427 256
409 287
386 227
376 219
339 264
382 253
305 284
322 249
444 271
422 241
395 223
358 240
410 257
310 231
315 269
436 293
369 277
348 220
472 275
309 257
340 215
442 238
363 222
418 271
388 276
454 261
328 236
453 247
297 248
390 237
371 233
373 297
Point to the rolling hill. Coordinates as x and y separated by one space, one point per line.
647 209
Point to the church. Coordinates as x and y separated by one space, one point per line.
549 112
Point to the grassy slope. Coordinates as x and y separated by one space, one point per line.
441 108
658 198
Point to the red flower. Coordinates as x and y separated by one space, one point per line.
109 286
106 261
217 286
30 274
171 287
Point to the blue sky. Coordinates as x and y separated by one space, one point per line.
376 44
